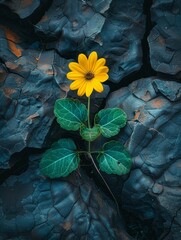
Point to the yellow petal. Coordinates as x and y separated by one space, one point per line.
76 84
89 88
82 59
76 67
102 77
92 60
82 89
102 70
74 75
100 63
98 86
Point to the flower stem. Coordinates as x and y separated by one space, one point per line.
117 205
91 152
90 156
89 126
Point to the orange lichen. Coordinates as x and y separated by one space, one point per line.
12 39
26 3
161 40
140 116
31 117
50 72
157 103
136 116
67 226
8 91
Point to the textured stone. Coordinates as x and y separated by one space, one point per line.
31 81
27 9
27 98
113 28
37 41
68 208
74 20
152 191
164 39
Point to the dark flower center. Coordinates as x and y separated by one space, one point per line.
89 76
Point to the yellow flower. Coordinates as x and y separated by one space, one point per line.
88 74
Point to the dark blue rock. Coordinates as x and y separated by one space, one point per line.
27 9
164 39
113 28
31 80
152 191
66 208
27 102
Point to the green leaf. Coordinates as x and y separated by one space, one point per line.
60 160
114 159
89 134
70 113
110 121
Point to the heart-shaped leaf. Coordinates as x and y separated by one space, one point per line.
89 134
60 160
114 158
70 113
110 121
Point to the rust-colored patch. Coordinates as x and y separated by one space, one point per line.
44 66
140 115
12 39
11 65
137 114
147 96
157 103
49 72
85 8
67 226
26 3
31 117
47 68
161 40
8 91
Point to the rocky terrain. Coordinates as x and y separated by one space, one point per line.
141 41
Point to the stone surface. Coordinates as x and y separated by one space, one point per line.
113 28
31 81
29 88
152 191
27 9
33 207
37 41
164 39
34 59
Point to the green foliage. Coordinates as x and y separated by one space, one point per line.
114 158
89 134
70 113
63 158
60 160
110 121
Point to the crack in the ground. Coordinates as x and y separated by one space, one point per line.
165 235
